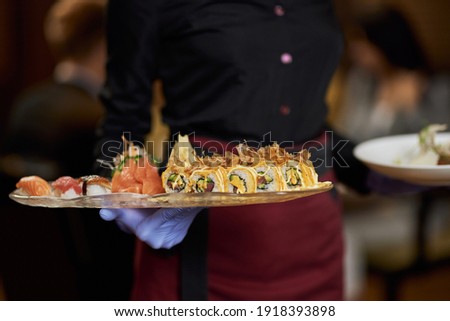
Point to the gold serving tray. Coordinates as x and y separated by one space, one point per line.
130 200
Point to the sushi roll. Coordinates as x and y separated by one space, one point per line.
308 172
291 175
67 187
34 186
95 185
299 172
241 180
207 180
175 179
268 178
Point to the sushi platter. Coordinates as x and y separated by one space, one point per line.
133 200
266 175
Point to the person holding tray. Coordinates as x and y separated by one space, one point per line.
232 71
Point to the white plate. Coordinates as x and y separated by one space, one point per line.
390 155
129 200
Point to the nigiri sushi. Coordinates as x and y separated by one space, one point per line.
67 187
95 185
34 186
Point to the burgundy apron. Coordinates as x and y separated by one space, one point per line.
282 251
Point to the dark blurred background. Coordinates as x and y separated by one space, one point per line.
41 265
50 112
25 58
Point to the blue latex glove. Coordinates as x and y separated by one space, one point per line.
159 228
384 185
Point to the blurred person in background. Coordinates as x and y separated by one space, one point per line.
51 133
51 118
389 90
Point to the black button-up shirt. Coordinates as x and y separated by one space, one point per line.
231 69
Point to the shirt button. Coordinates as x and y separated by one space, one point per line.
279 10
285 110
286 58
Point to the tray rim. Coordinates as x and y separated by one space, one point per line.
164 199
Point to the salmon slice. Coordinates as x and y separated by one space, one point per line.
34 186
124 181
152 183
137 177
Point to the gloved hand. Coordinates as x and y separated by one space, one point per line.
384 185
159 228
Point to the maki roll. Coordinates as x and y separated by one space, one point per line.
181 163
268 178
175 180
241 180
292 175
207 180
299 171
308 172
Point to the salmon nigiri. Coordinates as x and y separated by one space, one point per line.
34 186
